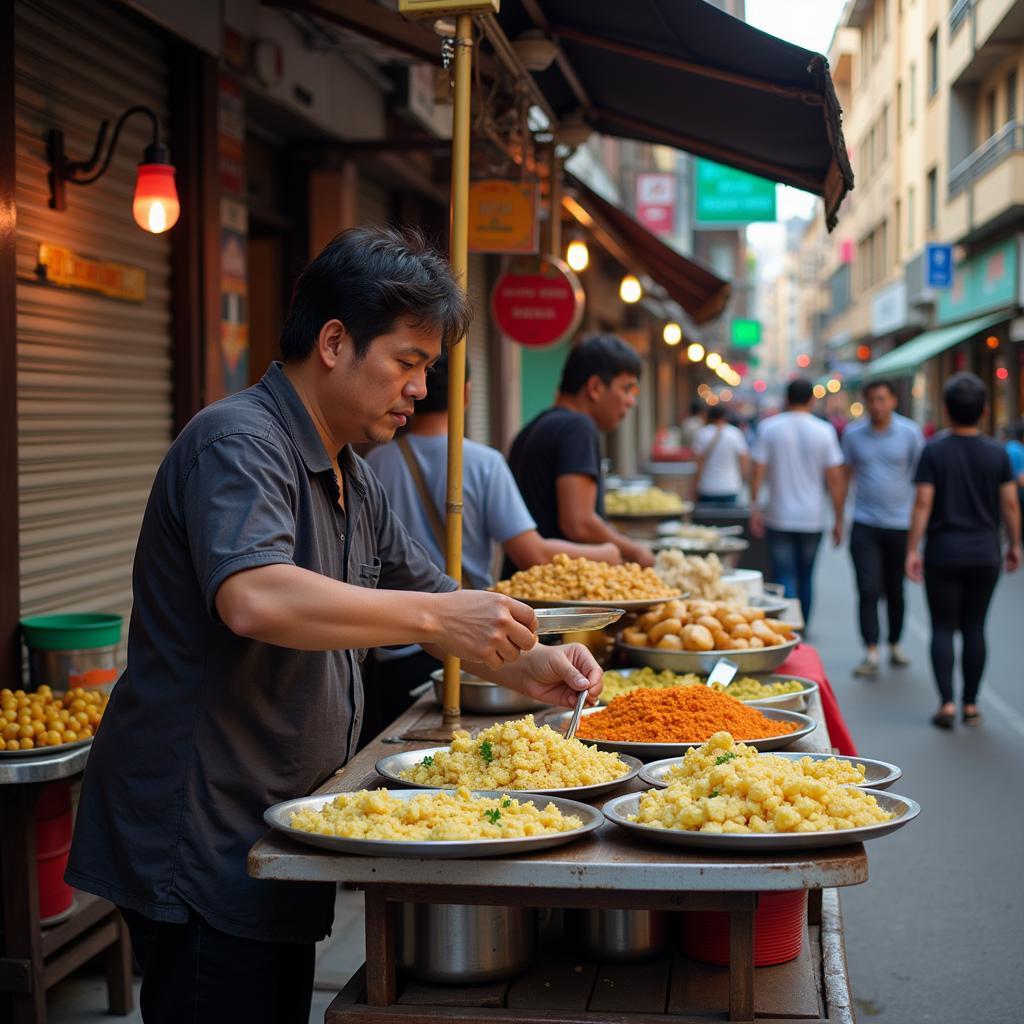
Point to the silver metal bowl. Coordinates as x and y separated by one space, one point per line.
618 936
763 659
728 549
479 697
457 944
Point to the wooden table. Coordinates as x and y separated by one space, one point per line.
610 869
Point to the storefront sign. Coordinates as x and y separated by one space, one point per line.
726 196
656 202
502 216
745 334
982 283
538 302
889 309
68 269
234 297
938 271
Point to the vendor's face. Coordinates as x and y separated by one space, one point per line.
371 397
612 401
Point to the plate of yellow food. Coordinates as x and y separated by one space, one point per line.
40 722
645 503
763 690
517 756
725 797
432 823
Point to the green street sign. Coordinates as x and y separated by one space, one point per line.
725 196
746 333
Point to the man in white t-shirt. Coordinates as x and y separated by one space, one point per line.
800 457
723 460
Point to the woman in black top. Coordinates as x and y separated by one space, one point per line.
963 482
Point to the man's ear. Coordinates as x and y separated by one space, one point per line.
594 387
330 343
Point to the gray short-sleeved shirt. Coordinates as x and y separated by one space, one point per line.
883 464
206 729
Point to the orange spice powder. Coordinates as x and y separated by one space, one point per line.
680 714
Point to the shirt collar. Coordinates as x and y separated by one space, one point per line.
303 432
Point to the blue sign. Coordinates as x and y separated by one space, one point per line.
938 266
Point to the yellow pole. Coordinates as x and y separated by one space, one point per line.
457 356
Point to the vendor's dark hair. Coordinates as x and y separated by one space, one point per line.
879 382
436 398
371 279
799 392
602 355
965 396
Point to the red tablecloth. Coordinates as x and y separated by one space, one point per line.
804 661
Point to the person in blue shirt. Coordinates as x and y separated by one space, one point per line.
881 452
1015 449
413 471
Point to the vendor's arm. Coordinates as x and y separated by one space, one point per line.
530 548
578 519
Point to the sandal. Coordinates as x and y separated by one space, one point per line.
943 720
971 718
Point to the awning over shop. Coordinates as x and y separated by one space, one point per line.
908 358
701 293
685 74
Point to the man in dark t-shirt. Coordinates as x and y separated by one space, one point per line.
556 459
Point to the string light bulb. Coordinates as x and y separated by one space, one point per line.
630 290
577 255
713 360
672 333
695 352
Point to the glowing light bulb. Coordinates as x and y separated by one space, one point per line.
577 255
833 386
713 360
819 391
630 290
695 352
672 334
155 205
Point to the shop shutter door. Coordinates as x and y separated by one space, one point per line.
374 205
478 415
94 373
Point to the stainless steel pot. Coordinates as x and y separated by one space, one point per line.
618 936
457 944
479 697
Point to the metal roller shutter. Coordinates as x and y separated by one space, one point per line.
94 373
478 415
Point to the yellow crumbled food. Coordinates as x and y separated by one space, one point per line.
516 755
580 579
729 787
745 688
640 502
376 814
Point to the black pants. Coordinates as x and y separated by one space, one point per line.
194 974
878 556
958 600
386 689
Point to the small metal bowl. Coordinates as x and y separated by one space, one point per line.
479 697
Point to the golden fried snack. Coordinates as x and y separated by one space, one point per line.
634 637
660 629
670 642
698 638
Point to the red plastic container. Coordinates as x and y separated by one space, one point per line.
53 841
779 923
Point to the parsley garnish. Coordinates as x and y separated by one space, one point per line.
713 792
427 761
722 758
494 816
506 802
486 752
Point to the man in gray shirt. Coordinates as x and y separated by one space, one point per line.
881 453
268 562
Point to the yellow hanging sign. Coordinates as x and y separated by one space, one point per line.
68 269
435 8
502 216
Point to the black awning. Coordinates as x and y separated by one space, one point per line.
699 291
685 74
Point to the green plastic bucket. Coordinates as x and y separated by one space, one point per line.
72 650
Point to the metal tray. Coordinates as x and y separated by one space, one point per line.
45 751
655 751
795 701
878 774
279 816
763 659
670 529
566 618
393 765
693 546
638 605
905 809
771 605
479 697
684 509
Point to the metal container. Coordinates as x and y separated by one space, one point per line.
479 697
751 662
618 936
457 944
728 549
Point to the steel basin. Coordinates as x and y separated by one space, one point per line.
618 936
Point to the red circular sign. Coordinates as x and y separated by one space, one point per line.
538 303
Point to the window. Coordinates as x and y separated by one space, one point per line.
1011 96
881 251
912 97
990 114
872 152
933 199
897 221
933 64
899 111
883 133
910 218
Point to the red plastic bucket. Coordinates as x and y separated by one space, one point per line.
778 930
53 841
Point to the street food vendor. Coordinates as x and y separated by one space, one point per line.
268 562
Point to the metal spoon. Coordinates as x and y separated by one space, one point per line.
724 671
576 712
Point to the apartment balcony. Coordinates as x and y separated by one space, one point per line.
979 33
986 190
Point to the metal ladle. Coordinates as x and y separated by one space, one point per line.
576 713
724 672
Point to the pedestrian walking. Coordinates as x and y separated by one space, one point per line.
723 460
881 452
1015 449
964 482
800 458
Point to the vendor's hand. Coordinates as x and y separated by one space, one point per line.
608 553
914 566
478 626
555 675
638 553
1013 558
837 533
756 523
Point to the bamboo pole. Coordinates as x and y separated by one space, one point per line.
459 257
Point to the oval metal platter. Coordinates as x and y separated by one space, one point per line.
761 659
656 751
392 766
565 618
877 774
641 604
795 701
278 817
60 748
905 810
